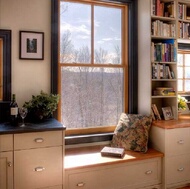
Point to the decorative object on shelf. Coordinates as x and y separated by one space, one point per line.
181 103
167 112
42 106
31 45
155 112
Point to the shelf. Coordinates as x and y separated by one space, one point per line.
162 18
160 62
166 96
164 80
162 37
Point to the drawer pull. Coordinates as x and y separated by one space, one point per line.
148 172
9 164
39 140
181 142
180 169
39 169
81 184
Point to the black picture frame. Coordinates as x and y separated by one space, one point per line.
31 45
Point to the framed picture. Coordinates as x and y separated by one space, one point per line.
31 45
167 112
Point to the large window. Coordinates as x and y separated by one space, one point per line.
93 67
184 71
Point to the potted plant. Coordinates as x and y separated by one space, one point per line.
42 106
181 103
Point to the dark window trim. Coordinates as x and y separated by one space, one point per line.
133 55
6 36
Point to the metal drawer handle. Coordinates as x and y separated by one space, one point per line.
180 169
39 140
181 142
148 172
81 184
39 169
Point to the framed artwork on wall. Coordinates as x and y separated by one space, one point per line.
167 112
31 45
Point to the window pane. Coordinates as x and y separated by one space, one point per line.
187 72
75 33
180 72
187 59
180 85
107 39
187 85
180 59
91 96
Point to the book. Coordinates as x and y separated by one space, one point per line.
156 112
113 152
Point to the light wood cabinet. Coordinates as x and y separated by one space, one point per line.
38 160
137 174
175 144
6 170
6 161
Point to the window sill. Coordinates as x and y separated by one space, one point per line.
91 138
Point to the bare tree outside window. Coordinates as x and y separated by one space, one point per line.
92 72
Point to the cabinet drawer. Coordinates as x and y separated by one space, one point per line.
178 169
37 140
178 141
124 176
6 143
38 168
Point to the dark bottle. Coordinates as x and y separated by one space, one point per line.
14 111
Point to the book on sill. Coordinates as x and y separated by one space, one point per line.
113 152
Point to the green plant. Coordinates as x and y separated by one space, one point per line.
42 106
181 102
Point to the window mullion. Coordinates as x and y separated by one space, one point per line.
92 34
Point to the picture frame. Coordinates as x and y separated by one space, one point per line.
31 45
167 112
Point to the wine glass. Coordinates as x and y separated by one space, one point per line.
23 112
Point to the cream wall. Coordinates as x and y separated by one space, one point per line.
28 76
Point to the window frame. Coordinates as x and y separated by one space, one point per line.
132 51
183 52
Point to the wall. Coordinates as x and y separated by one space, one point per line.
29 77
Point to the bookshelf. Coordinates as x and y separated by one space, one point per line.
164 55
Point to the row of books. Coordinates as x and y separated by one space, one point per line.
162 71
184 30
183 12
164 91
164 52
159 28
165 9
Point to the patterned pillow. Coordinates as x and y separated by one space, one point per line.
132 132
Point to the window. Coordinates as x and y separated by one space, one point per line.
92 65
183 71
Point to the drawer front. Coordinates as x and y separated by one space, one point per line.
38 168
178 141
124 176
6 143
37 140
177 169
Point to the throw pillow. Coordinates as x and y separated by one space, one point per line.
132 132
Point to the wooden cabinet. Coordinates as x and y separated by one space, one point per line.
142 173
6 161
38 160
175 144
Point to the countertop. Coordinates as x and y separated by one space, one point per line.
182 122
46 125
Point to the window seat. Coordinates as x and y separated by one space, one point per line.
90 156
86 168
